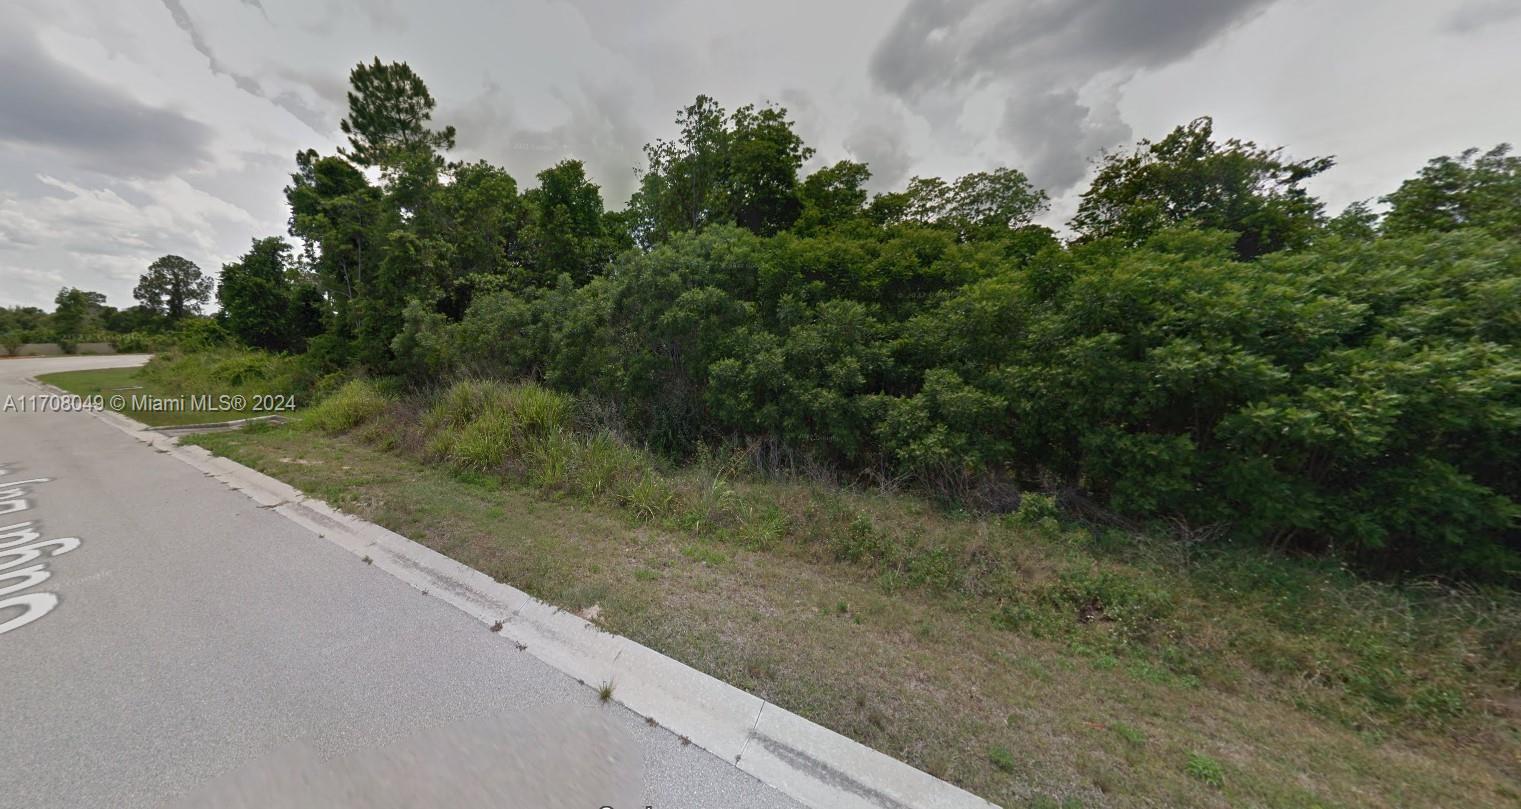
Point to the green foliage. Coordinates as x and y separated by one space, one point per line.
1210 353
352 405
566 230
1206 769
389 111
215 371
1186 177
738 169
1470 190
172 288
480 426
267 301
77 313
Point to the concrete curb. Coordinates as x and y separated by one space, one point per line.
804 760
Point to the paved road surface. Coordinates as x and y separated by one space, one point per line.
206 652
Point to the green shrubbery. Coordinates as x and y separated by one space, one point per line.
351 405
1359 396
1208 351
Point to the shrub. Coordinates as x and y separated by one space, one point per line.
353 404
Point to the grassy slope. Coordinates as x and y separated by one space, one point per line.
128 382
142 382
1055 712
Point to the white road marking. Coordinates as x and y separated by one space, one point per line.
20 545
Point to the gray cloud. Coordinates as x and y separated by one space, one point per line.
1041 53
290 102
52 107
950 43
600 129
1055 134
883 147
1475 15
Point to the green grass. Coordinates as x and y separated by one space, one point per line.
180 378
1099 661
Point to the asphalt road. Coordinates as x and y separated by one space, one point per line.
202 651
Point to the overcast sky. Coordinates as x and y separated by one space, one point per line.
134 128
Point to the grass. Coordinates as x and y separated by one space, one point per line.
181 380
1031 661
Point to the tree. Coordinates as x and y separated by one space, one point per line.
389 111
998 200
339 216
740 169
173 287
256 294
565 231
1471 190
77 312
832 195
763 159
984 204
1237 186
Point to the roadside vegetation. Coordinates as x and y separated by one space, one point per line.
216 376
1214 502
1032 658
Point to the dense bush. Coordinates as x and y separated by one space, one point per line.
1210 350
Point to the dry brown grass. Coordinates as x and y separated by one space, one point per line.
760 587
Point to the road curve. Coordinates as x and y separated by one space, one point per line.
190 648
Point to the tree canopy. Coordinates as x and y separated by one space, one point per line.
1208 349
173 287
1187 177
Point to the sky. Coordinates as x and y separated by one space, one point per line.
130 129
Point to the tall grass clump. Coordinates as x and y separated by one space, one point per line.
484 426
356 402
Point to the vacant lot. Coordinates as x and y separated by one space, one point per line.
1034 662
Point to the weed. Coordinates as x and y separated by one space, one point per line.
1206 769
1002 759
647 499
605 692
1128 733
704 554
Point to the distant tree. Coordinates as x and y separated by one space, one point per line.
1470 190
389 111
1187 177
1356 221
22 318
173 287
976 205
77 312
132 318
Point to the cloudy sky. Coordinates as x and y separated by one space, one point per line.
134 128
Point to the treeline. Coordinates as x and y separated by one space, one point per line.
1209 349
171 295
